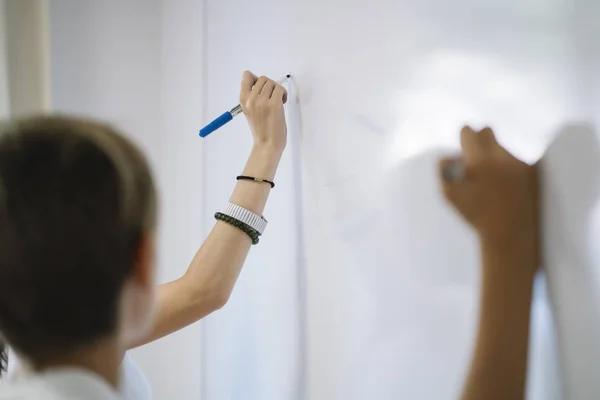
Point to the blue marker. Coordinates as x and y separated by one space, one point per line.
227 116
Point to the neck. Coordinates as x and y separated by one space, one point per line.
102 358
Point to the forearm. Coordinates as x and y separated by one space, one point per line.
499 365
217 264
209 280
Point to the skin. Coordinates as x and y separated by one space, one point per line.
498 197
209 280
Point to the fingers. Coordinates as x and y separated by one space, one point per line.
486 137
459 173
468 142
477 144
258 86
267 89
279 94
262 105
263 86
248 81
475 147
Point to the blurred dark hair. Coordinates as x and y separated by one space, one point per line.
76 198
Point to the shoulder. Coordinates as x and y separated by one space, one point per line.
134 385
27 391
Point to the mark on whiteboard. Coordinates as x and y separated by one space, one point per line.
369 124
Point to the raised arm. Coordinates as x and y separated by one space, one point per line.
497 196
209 280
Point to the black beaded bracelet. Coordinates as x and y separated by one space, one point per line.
253 233
251 178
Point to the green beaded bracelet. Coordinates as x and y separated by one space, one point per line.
253 233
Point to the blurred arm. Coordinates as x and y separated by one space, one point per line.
499 365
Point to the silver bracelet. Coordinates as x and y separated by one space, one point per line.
246 216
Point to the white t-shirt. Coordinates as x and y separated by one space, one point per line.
59 384
133 386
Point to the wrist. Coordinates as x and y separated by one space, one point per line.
268 148
513 258
263 161
270 140
522 237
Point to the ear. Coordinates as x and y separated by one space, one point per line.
138 298
144 268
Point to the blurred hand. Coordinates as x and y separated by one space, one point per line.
262 101
496 194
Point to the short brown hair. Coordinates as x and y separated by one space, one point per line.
76 197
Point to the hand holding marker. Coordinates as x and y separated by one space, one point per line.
228 115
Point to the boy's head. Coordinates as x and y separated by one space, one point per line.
77 216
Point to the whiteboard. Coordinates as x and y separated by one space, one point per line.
389 274
571 228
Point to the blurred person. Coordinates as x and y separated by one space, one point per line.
78 213
497 195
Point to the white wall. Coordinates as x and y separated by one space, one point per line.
4 106
27 56
138 64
